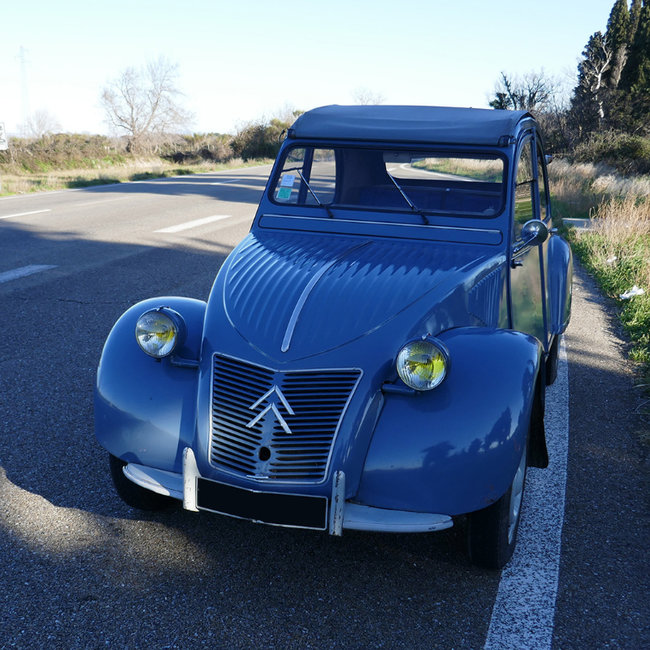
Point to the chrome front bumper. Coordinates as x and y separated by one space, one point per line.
342 514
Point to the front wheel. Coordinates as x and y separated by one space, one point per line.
134 495
492 532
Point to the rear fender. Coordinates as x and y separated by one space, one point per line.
560 276
456 449
145 408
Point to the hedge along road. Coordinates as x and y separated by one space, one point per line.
80 569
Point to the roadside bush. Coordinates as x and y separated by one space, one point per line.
629 154
259 139
200 148
62 151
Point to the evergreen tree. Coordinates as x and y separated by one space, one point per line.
617 38
635 78
587 103
635 13
636 73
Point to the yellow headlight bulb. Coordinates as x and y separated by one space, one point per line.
157 332
422 365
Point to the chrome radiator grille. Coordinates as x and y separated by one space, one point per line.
276 425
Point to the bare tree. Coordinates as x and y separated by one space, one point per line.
533 91
144 103
367 96
39 124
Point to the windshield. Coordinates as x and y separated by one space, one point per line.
393 180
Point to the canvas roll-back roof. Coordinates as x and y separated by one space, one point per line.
416 124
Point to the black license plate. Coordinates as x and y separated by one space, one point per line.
266 507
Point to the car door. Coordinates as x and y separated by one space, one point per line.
528 311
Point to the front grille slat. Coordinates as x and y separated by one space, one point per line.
317 398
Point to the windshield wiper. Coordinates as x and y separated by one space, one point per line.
322 205
326 207
406 198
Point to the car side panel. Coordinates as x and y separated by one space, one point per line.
456 448
145 409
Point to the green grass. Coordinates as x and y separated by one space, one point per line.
616 251
615 278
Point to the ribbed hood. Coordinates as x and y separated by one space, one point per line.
295 295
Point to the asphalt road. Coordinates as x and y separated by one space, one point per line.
78 569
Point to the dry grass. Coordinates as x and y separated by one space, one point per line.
616 248
579 187
621 237
477 168
135 170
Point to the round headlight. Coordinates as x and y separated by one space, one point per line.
423 364
157 332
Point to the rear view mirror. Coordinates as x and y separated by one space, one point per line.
534 233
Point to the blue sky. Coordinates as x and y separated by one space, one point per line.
240 61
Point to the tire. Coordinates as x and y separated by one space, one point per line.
134 495
492 532
551 361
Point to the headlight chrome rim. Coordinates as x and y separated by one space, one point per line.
423 364
159 331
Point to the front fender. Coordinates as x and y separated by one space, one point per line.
145 408
455 449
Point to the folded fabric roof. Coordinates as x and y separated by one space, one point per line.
416 124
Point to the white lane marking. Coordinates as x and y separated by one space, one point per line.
23 271
194 224
24 214
232 180
524 610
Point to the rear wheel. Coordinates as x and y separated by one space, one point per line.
492 532
132 494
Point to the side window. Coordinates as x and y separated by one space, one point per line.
524 187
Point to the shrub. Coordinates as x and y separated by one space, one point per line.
259 139
62 151
628 153
200 148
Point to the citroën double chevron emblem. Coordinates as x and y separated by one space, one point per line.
272 406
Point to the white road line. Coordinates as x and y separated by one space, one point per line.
194 224
524 610
231 180
24 214
23 271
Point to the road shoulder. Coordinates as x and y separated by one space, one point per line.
604 590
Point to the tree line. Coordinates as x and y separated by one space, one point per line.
605 118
